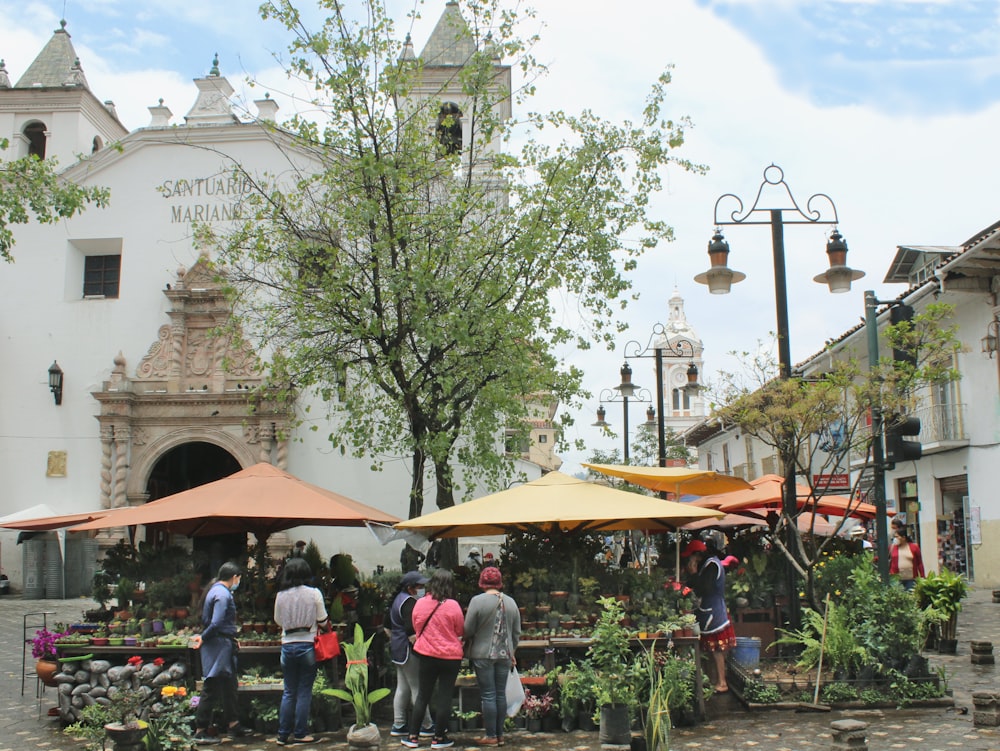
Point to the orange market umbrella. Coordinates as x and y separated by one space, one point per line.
808 523
765 494
557 502
46 523
261 499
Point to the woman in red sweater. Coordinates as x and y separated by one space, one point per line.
439 626
905 560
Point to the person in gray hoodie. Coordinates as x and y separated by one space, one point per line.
492 630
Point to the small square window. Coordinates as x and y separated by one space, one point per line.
543 438
101 276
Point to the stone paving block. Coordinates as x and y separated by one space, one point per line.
849 734
986 709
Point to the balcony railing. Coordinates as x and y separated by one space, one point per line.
941 423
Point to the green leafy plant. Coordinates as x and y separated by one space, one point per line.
841 650
759 692
576 688
655 714
838 692
356 680
170 721
941 595
611 656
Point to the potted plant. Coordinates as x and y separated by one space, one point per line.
363 733
125 727
655 713
43 649
576 694
614 672
169 721
536 707
940 595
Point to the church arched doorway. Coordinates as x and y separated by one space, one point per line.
185 467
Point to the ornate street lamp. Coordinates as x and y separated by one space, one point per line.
777 210
657 344
626 390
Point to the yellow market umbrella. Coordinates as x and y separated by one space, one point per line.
678 480
557 502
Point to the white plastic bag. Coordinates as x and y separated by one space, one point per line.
515 692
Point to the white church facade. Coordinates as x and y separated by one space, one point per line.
122 303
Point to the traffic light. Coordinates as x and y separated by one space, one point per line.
899 314
897 448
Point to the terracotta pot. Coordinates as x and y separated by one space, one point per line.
46 671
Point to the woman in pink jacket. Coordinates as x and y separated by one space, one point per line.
438 625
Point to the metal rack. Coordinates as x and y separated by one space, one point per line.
32 623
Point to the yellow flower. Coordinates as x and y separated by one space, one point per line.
168 690
837 592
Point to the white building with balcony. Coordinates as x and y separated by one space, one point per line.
947 497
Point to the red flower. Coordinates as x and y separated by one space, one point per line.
135 661
158 661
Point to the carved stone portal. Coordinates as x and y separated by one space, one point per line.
193 385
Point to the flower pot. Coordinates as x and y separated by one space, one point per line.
533 724
616 726
99 641
947 646
46 671
366 736
550 723
585 720
126 738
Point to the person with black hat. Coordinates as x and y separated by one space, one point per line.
707 577
399 625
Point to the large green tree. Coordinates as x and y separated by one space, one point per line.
413 284
31 189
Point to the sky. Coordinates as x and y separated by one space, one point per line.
889 108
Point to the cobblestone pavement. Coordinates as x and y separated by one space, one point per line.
24 723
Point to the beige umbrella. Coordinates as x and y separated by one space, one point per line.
557 502
261 499
676 480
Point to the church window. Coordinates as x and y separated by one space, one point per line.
35 133
101 276
97 145
449 128
681 400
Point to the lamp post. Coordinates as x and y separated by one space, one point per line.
776 206
626 390
657 344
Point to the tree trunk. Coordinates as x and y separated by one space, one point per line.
417 484
446 499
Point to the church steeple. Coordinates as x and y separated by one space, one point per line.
51 112
56 66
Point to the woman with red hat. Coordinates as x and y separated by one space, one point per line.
707 577
492 630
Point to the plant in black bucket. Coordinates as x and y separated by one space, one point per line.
940 594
